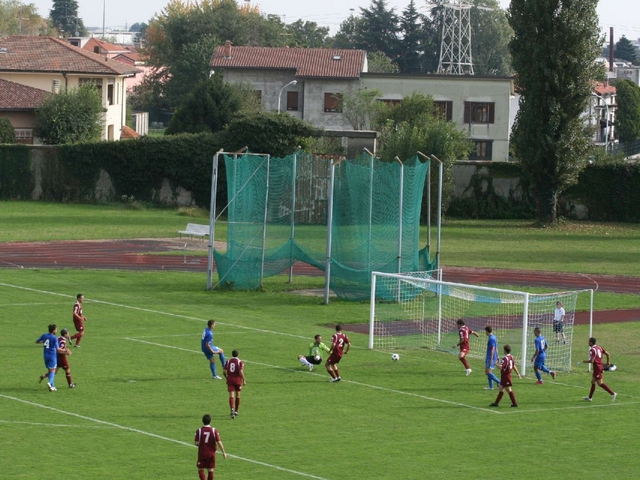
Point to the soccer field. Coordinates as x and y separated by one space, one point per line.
143 386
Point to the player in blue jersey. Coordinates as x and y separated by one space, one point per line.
51 349
492 358
540 356
210 350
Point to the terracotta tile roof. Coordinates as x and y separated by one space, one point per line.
604 89
131 58
128 132
307 62
14 96
104 46
48 54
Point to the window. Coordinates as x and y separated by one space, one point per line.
24 135
96 49
479 112
110 91
482 150
444 110
292 101
333 102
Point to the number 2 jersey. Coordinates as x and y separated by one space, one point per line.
338 340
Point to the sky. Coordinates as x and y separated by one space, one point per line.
623 15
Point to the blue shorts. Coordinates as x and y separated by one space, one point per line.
210 355
489 363
539 361
51 362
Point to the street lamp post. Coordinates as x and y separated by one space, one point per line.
292 82
606 125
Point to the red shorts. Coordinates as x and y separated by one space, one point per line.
464 350
597 373
505 381
209 462
234 386
334 359
63 363
79 326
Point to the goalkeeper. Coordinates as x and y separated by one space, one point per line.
315 353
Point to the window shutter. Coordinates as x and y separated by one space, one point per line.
492 112
449 111
467 112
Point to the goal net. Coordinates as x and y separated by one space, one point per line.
419 310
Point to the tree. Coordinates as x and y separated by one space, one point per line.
378 62
554 51
278 134
490 36
138 27
17 18
628 112
411 45
209 107
378 30
7 133
346 36
307 35
625 50
180 40
361 107
413 126
71 116
64 16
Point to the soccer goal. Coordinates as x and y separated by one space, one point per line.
415 310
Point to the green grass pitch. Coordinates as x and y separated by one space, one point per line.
143 386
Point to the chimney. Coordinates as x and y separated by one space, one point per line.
226 50
611 55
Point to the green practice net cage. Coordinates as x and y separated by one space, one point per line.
344 217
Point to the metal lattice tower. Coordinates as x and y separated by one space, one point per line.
455 45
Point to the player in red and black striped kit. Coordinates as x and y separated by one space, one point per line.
207 440
339 346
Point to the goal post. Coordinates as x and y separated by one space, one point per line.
415 310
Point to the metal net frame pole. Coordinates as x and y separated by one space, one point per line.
264 222
212 219
370 233
293 213
440 180
327 271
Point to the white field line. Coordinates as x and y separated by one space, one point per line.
582 387
153 435
374 387
176 315
55 425
242 327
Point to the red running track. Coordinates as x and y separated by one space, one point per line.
143 255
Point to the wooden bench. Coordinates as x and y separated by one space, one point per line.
195 230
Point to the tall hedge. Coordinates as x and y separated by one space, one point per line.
15 178
138 167
610 192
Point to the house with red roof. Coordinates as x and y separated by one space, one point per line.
50 64
309 82
602 113
18 103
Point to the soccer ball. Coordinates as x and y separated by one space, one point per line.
317 358
395 357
